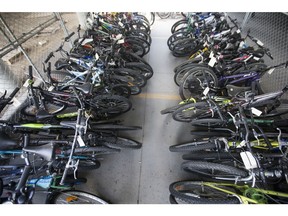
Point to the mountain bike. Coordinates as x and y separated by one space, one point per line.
23 190
195 192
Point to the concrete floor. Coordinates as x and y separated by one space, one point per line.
143 176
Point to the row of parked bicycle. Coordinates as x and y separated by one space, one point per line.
69 122
238 153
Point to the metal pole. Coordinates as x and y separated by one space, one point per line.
246 19
63 27
21 48
31 33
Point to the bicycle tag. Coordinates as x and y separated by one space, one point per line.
212 62
205 92
80 141
96 56
26 84
248 160
50 88
120 23
256 111
120 41
259 43
211 55
271 71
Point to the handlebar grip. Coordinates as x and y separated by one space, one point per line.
69 36
49 57
14 92
30 72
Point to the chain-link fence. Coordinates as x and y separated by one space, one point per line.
272 30
27 39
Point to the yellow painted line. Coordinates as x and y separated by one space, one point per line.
162 96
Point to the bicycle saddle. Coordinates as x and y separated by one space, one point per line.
85 88
233 90
7 142
45 151
61 63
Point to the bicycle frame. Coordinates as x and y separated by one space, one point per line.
243 198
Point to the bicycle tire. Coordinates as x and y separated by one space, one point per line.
164 15
183 22
113 127
74 197
121 90
195 192
180 74
117 142
185 47
211 133
191 111
193 146
209 122
213 170
211 156
135 47
106 106
143 69
196 81
92 150
172 40
131 76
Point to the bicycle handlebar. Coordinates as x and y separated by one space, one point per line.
69 36
233 21
30 72
49 57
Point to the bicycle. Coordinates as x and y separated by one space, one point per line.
195 192
23 190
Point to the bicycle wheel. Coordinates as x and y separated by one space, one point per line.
193 146
211 133
191 111
195 192
117 142
106 106
185 47
196 81
129 76
142 68
91 151
121 90
209 122
164 15
174 108
211 156
134 46
175 37
214 171
112 127
74 197
180 73
183 23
